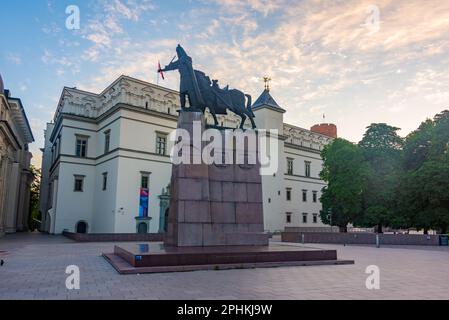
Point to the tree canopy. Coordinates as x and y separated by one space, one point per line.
388 181
381 148
423 197
345 170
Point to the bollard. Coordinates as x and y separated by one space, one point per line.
303 238
377 241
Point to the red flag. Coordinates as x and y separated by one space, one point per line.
160 70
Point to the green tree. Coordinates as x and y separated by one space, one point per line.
345 172
433 194
417 146
34 214
440 137
381 148
417 150
423 194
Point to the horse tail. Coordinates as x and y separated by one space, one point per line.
249 104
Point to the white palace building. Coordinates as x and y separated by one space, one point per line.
105 153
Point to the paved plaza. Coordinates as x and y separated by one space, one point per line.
35 268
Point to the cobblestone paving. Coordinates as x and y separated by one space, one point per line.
35 269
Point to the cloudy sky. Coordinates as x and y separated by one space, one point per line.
355 61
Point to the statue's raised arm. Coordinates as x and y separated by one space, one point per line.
174 65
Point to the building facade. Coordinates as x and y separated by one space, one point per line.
106 166
15 175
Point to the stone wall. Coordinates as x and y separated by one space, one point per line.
114 237
361 238
312 229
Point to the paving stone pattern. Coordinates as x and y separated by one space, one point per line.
35 269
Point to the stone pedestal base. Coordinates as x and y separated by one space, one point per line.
156 258
214 205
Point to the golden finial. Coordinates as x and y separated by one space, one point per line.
267 80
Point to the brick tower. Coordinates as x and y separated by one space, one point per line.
327 129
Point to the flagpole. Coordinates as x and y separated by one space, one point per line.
157 77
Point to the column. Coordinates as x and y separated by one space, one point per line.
3 164
52 211
21 204
13 198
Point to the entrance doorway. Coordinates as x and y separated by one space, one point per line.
81 227
142 228
166 220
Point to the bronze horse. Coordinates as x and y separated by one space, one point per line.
220 100
202 94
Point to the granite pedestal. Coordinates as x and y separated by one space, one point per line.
215 204
158 258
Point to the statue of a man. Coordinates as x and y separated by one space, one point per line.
188 84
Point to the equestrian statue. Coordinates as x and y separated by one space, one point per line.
204 93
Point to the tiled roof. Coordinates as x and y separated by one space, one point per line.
266 99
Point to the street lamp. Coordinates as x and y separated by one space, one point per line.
329 217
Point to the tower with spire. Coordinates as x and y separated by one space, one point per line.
269 115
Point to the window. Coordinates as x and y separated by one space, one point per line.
315 196
105 181
288 218
81 146
144 180
289 166
79 184
289 194
307 168
107 141
315 218
304 218
304 195
161 144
